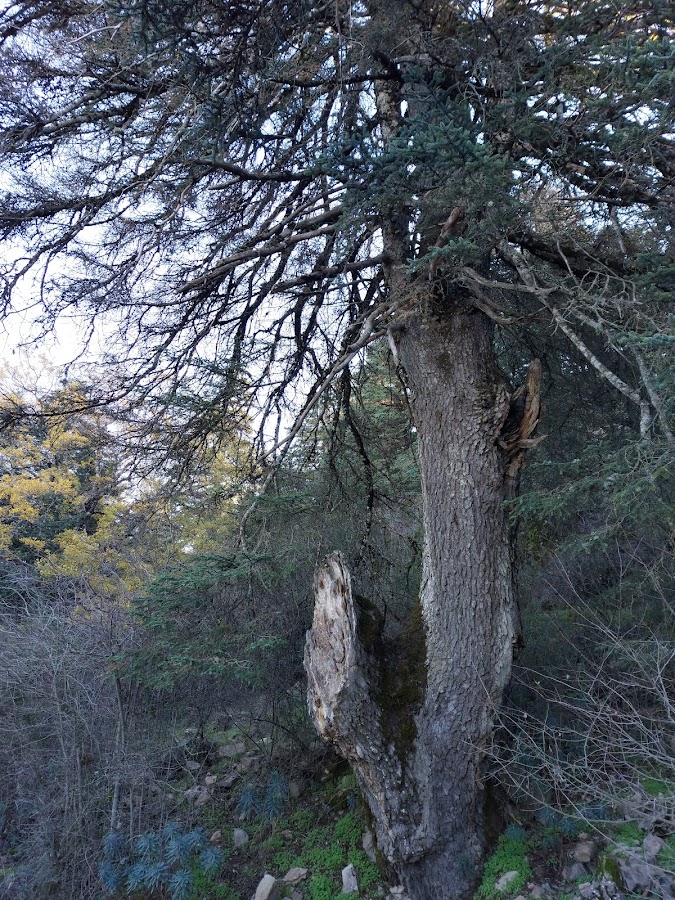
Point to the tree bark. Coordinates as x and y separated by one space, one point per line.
415 719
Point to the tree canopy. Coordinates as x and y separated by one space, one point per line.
231 188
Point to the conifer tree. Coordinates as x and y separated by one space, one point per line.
247 195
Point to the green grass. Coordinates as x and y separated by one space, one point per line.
655 786
205 887
320 887
325 860
325 851
302 820
627 833
508 856
349 829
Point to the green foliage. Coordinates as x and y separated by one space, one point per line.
516 832
195 626
286 860
555 134
627 833
545 838
274 842
369 874
657 786
302 819
315 838
508 856
559 822
275 799
327 860
349 829
326 850
320 887
205 887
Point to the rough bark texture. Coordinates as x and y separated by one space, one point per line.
423 776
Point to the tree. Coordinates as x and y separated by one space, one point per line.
58 477
249 195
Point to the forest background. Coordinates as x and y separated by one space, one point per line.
157 556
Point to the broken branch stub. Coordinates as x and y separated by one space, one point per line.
343 680
338 669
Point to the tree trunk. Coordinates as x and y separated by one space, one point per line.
415 719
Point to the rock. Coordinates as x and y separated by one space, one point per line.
193 792
227 751
204 797
605 889
585 851
295 875
247 762
397 891
294 789
652 845
287 834
635 874
192 765
228 780
216 837
239 837
573 871
502 883
609 890
536 891
268 888
350 883
296 895
666 885
368 845
210 780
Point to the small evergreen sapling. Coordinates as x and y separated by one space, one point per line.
275 799
249 803
271 807
158 862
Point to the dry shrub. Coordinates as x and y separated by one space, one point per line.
596 736
72 761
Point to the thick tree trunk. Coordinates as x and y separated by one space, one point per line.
415 720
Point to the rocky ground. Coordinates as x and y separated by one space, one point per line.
321 847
